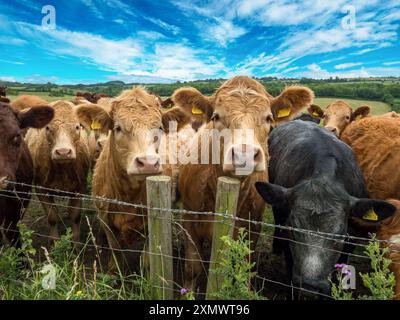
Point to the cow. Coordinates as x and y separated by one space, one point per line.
315 184
376 144
240 103
25 101
338 115
130 154
16 165
389 231
61 161
3 91
4 100
91 96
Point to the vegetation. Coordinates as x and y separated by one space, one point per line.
385 90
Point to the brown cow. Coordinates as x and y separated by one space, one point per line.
338 115
3 92
376 144
240 103
389 230
90 96
27 101
61 161
16 165
130 154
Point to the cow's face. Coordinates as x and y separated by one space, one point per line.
11 123
338 115
63 133
133 125
242 113
319 206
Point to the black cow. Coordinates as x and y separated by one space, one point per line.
308 117
315 184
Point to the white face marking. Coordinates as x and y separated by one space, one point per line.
311 265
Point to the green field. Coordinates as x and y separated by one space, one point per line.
377 107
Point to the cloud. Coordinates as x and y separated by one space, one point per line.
12 41
224 32
8 78
347 65
108 54
37 78
168 27
391 63
12 62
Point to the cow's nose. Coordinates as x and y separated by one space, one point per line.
334 130
3 183
147 164
243 153
64 152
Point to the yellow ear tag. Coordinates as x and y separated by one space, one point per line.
196 110
283 113
371 215
95 125
359 117
315 114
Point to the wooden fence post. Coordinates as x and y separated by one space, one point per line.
226 203
158 190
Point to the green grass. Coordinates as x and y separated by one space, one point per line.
44 95
377 107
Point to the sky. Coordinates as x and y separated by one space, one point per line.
91 41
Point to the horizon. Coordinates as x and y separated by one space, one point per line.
89 42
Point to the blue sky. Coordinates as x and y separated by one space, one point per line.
170 40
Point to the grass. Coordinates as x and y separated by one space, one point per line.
377 107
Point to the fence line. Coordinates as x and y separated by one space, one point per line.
189 212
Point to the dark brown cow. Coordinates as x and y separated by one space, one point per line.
240 103
91 97
3 91
16 165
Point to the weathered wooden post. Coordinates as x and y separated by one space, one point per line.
158 190
226 203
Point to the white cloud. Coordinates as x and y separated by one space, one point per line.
12 41
119 21
390 63
108 54
224 32
12 62
347 65
37 78
169 27
8 78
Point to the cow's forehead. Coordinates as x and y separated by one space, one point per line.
137 116
339 107
63 113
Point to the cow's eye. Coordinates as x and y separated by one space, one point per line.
347 117
161 129
117 129
47 128
215 116
16 140
269 118
78 127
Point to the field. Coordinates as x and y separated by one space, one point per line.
271 269
377 107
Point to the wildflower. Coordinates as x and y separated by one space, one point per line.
184 291
78 293
340 265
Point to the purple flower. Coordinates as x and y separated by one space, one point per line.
184 291
340 265
347 272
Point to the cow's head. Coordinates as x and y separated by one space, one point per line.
11 124
243 112
131 124
320 206
338 115
63 133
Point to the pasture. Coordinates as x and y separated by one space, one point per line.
82 270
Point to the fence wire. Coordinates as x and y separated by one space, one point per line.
182 215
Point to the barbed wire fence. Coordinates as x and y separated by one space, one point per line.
163 220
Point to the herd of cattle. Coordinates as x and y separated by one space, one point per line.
342 178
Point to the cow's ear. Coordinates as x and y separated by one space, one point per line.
361 112
36 117
291 102
167 103
316 111
193 101
4 100
272 193
175 114
94 117
371 210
